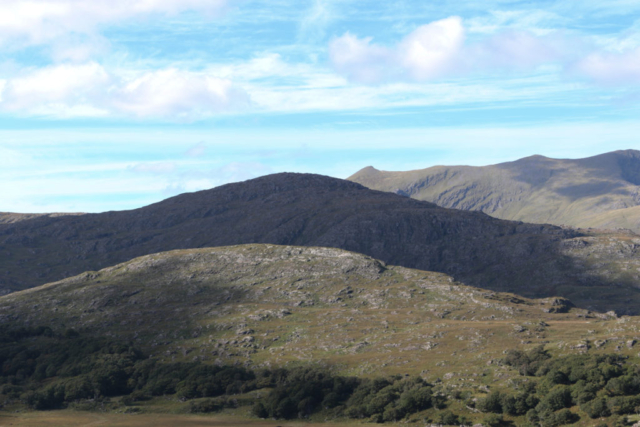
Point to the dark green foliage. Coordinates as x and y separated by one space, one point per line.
207 381
559 418
300 392
68 370
623 385
259 410
558 398
596 408
51 397
623 405
493 420
76 369
527 363
392 398
491 403
602 385
448 418
503 403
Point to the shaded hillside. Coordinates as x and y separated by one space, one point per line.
265 305
595 271
601 191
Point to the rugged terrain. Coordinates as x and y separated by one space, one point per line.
269 313
266 306
600 192
595 270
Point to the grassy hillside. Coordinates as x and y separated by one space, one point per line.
263 305
599 192
268 307
597 271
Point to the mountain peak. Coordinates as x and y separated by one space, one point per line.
600 191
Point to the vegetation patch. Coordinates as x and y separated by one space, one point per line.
46 370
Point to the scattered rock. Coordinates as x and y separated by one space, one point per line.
430 345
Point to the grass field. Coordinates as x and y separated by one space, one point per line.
86 419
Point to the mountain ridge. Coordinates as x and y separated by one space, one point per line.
313 210
600 192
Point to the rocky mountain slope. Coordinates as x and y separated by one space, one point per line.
601 191
10 218
265 305
596 271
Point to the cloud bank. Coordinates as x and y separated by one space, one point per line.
90 90
620 68
438 49
427 52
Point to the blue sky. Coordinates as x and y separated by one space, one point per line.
114 104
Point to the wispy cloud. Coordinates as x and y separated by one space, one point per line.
313 25
197 150
41 21
610 68
159 168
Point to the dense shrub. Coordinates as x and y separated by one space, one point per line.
596 408
448 418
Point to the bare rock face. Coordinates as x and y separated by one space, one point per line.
593 270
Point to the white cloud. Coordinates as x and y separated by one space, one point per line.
67 85
426 53
438 49
430 50
40 21
179 94
611 68
90 90
360 60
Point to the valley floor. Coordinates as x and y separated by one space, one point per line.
69 418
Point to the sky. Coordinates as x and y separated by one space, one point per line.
116 104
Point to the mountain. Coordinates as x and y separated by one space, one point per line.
596 270
9 217
265 305
600 192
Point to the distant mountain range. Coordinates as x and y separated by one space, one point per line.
596 270
601 191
